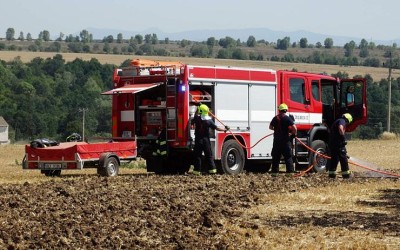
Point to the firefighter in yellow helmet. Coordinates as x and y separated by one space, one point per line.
203 122
337 146
283 126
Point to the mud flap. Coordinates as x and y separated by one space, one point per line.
155 164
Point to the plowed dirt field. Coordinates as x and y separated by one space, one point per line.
147 211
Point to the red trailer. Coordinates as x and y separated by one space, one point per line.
106 157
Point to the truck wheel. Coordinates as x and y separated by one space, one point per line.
232 158
320 163
110 167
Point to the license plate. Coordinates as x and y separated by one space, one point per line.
52 166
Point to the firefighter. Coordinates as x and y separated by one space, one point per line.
283 126
202 122
337 145
161 144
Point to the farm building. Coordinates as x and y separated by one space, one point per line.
3 131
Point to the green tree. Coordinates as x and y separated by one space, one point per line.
119 38
349 48
251 41
283 44
328 43
211 42
108 39
184 43
154 39
224 54
60 37
303 43
107 48
10 33
21 36
46 35
227 42
139 39
29 37
199 50
363 48
84 36
147 38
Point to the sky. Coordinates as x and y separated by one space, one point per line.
369 19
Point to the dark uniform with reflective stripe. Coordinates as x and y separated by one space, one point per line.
282 142
161 144
203 144
337 146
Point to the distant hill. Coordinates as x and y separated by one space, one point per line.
242 34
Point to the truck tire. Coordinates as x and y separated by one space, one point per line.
110 167
320 163
232 158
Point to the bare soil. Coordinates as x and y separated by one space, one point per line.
177 212
138 210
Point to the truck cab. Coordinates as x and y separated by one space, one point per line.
316 101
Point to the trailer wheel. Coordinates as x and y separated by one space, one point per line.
321 164
110 167
24 163
232 158
52 173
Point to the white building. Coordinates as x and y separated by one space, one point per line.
3 131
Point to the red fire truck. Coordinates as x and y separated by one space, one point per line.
150 96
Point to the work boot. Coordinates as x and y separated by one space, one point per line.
332 174
274 174
212 171
346 174
195 172
290 174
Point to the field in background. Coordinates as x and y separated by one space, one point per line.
376 73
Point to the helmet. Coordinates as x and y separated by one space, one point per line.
348 117
283 106
203 109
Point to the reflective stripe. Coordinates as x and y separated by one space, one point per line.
163 142
332 172
346 172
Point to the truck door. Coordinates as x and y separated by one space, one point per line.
296 95
353 101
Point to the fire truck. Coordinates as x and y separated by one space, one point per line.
150 96
153 98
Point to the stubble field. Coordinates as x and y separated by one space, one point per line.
139 210
376 73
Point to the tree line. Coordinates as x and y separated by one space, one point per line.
45 98
351 54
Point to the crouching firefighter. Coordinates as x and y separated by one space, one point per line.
161 144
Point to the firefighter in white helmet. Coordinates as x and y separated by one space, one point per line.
337 146
283 126
202 122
